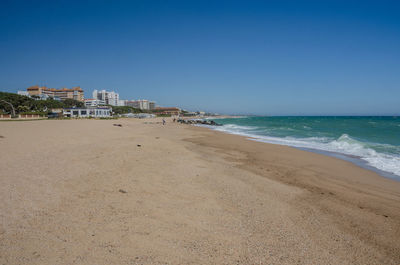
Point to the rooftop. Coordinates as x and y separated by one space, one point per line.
55 89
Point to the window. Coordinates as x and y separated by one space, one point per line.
75 113
83 112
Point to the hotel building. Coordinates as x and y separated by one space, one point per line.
141 104
62 94
168 111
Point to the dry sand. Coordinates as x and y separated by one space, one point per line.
84 192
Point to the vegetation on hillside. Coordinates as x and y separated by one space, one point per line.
125 109
27 105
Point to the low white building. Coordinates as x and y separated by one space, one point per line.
23 93
91 102
37 97
98 112
138 115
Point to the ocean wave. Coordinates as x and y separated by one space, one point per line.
237 128
385 159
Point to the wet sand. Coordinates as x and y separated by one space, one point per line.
88 192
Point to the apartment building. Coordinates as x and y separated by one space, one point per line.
109 97
91 102
62 94
142 104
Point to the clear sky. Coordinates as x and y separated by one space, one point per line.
243 57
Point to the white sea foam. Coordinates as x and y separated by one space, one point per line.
344 144
238 128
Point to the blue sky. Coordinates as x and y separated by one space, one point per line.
244 57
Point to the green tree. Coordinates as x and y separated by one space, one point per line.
27 104
71 103
13 99
125 109
23 108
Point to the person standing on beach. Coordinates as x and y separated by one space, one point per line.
163 121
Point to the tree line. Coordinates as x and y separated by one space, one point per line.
27 105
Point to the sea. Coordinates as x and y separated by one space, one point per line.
370 142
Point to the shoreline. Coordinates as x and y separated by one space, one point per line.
327 154
344 182
357 160
86 191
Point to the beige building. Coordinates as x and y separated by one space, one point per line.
63 93
142 104
168 111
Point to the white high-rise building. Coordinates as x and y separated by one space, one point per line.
122 102
152 105
110 97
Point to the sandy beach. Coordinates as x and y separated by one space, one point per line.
88 192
